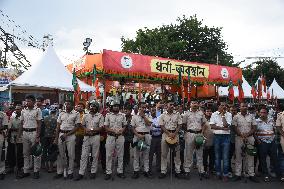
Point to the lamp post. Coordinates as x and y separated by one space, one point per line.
87 44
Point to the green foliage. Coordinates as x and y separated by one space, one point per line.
267 67
188 40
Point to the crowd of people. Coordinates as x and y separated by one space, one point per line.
227 142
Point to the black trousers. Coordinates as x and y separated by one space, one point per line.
270 149
232 152
155 148
11 155
208 154
126 156
78 149
103 154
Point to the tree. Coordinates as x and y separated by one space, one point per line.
267 67
188 40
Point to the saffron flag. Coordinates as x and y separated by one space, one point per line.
241 91
253 92
259 88
263 82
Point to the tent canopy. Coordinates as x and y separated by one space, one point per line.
48 73
277 90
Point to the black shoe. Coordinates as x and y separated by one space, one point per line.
162 175
36 175
24 175
2 176
236 178
58 176
254 179
107 176
147 175
178 175
79 177
135 175
266 179
70 176
93 176
187 175
121 175
150 173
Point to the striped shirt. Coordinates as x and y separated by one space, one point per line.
265 132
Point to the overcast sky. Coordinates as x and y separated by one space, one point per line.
250 27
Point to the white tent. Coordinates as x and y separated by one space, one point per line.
277 90
48 73
223 91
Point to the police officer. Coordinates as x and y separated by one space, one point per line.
193 121
3 127
141 128
170 123
14 144
245 127
67 123
115 123
93 123
30 129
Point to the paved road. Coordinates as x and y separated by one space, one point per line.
46 182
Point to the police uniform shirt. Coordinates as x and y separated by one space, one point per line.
68 121
30 117
15 123
139 123
170 121
194 120
93 121
244 123
115 121
280 120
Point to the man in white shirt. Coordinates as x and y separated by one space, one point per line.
220 122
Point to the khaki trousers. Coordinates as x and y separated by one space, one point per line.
164 155
90 144
145 154
28 141
68 144
117 144
188 153
248 159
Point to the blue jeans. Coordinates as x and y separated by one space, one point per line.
222 150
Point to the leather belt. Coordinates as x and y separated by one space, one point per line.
171 131
113 134
93 134
65 131
29 129
192 131
143 133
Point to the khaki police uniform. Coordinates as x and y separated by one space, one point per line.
67 123
91 142
194 122
141 128
29 119
280 123
3 122
115 122
170 122
244 125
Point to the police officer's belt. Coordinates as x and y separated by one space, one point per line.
29 129
92 134
65 131
192 131
143 133
113 134
171 131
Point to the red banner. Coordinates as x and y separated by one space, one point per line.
149 66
